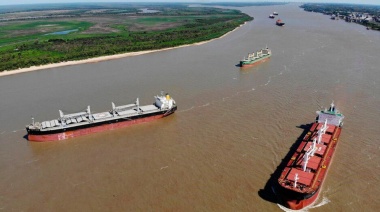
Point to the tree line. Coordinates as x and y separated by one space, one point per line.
55 50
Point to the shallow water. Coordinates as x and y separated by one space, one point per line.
62 32
232 129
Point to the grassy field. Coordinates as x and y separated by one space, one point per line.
20 32
98 30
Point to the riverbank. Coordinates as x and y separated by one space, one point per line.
105 58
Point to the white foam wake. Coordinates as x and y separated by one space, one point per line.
186 110
205 105
268 81
324 201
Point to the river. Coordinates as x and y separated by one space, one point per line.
231 131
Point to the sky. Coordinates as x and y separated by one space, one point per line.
10 2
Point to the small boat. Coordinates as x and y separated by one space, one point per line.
280 23
275 13
271 16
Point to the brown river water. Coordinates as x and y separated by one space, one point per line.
232 129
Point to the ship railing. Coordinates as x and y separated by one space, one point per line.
123 107
74 115
35 126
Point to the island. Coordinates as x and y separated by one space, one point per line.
34 35
55 33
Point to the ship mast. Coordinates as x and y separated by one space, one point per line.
89 113
138 105
113 109
314 148
296 178
305 160
322 131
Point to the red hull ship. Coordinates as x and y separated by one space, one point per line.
302 178
280 23
83 123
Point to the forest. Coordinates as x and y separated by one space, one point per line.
367 15
79 33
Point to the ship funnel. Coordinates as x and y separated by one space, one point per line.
332 107
61 115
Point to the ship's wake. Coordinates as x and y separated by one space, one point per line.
13 131
185 110
268 81
227 98
324 201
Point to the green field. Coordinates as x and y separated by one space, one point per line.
107 31
37 30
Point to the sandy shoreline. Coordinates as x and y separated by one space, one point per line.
104 58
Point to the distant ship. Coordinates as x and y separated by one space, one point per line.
271 16
302 178
280 23
82 123
256 58
275 13
333 17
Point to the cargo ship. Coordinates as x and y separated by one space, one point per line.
280 23
83 123
255 58
302 177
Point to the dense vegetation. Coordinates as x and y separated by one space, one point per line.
244 4
24 44
345 10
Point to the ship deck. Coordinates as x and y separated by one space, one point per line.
310 179
83 119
